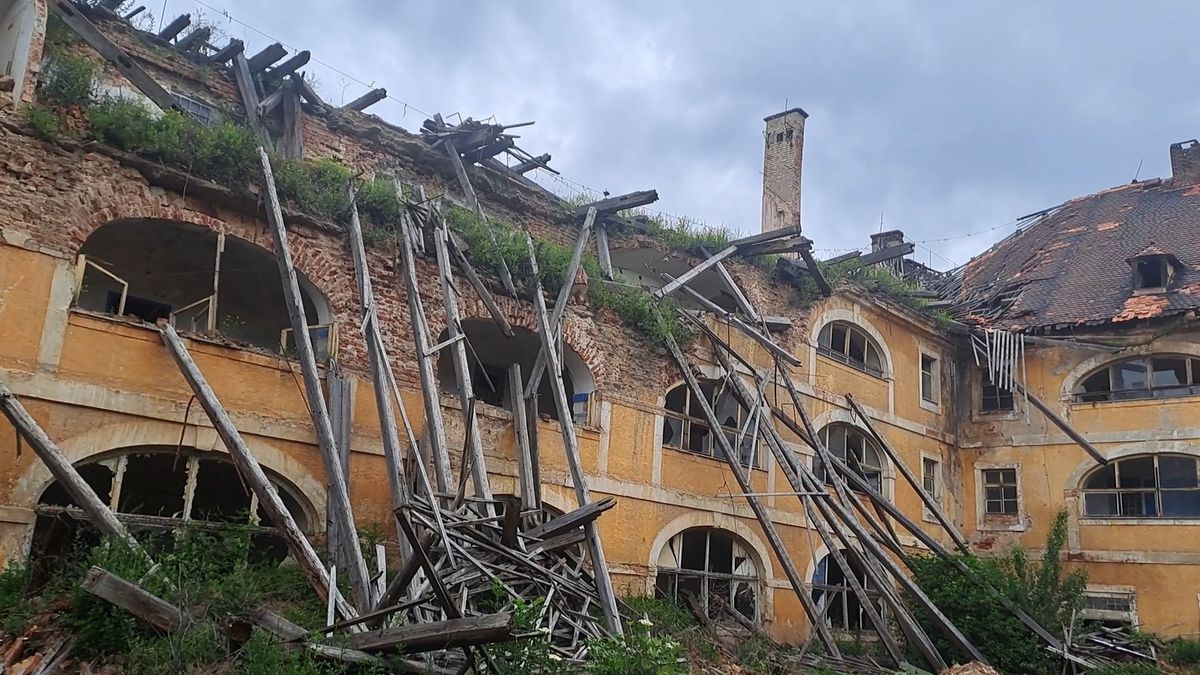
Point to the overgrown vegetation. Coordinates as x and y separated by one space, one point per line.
1041 588
67 80
43 121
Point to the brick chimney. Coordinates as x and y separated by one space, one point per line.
783 150
1185 162
887 239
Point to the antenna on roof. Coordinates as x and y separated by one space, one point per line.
881 221
1139 170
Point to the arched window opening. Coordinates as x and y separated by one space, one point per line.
1143 377
200 280
491 354
713 566
833 593
157 488
844 342
1145 486
686 428
853 446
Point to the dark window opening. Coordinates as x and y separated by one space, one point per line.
1142 377
779 137
145 309
994 397
856 449
712 566
832 591
847 344
1151 274
1150 486
1000 492
686 428
930 379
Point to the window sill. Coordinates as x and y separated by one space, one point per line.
709 458
931 406
995 416
1132 402
1002 524
1086 520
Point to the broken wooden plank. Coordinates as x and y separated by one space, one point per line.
572 519
135 600
250 470
435 635
610 205
814 270
266 57
113 54
694 272
367 100
338 487
525 476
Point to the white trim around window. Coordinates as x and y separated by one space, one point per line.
1018 522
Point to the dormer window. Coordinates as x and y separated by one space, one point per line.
1153 270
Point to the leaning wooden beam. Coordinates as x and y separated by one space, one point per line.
250 471
489 302
296 62
694 272
246 87
603 252
226 53
339 494
742 326
932 504
739 297
729 453
432 636
175 27
538 162
526 481
266 57
768 236
135 600
113 54
309 94
572 519
604 588
392 448
610 205
462 366
1062 424
464 182
814 270
61 468
292 142
366 100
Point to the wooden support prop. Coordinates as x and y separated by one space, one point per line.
739 297
226 53
292 142
814 270
525 478
266 57
341 418
462 366
936 509
113 54
694 272
610 205
730 454
528 165
1062 424
63 471
246 87
393 451
175 27
296 62
339 495
489 302
464 182
604 588
250 470
135 600
560 303
194 40
572 519
435 635
742 326
367 100
602 250
435 424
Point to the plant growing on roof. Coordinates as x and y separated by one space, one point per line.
68 80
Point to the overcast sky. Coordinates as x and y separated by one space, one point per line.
946 118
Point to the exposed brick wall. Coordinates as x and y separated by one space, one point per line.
783 154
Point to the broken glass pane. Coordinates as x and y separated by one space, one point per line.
1129 375
672 432
695 543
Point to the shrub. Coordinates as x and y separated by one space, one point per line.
1183 652
638 652
43 121
1041 589
14 610
317 188
378 203
68 81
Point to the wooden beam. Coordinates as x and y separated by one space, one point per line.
194 40
339 496
292 141
604 588
694 272
226 53
530 494
113 54
266 57
309 93
602 250
367 100
766 342
250 471
739 297
246 87
1061 423
473 278
464 182
889 253
814 270
436 635
135 600
572 519
610 205
175 27
765 237
341 418
63 471
528 165
296 62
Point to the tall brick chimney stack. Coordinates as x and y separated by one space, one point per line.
783 151
1185 162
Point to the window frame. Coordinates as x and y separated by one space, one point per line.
868 444
843 355
934 490
199 110
934 375
1001 484
1105 592
993 522
670 576
1001 393
843 597
1149 390
1120 492
686 423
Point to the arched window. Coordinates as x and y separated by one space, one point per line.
831 590
843 341
712 565
854 447
492 354
1145 486
200 281
685 427
1142 377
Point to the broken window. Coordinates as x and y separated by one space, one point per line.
993 397
1148 486
713 566
686 428
1113 608
846 343
201 281
1151 274
1000 494
491 354
931 379
156 488
1141 377
856 449
201 111
929 477
831 591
